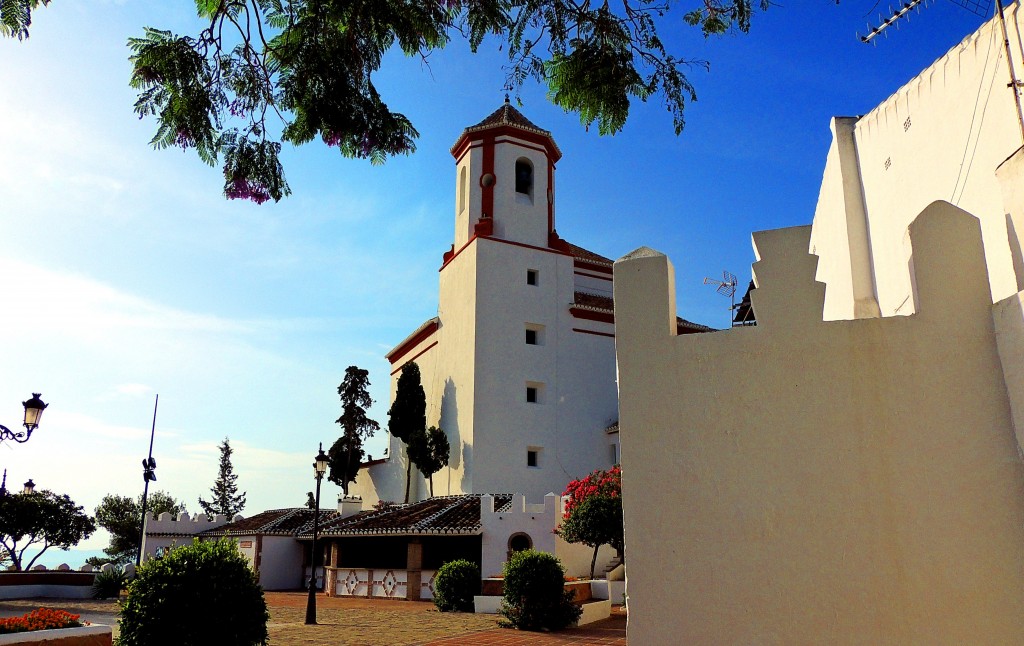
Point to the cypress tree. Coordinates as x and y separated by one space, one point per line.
408 414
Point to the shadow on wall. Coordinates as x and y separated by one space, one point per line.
450 423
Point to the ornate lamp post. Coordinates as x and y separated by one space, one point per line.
29 487
320 468
33 411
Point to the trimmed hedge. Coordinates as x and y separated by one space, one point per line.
535 594
199 594
455 585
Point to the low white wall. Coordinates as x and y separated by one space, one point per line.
281 563
45 591
97 635
535 520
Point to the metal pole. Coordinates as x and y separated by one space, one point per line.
311 601
145 490
1014 84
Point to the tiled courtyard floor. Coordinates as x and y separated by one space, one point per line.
370 622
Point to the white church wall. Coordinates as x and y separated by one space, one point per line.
506 425
519 217
468 213
534 520
939 137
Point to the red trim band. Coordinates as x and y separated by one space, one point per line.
591 315
593 266
396 355
418 355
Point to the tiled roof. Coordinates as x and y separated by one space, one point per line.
441 515
507 115
594 301
276 521
607 304
583 254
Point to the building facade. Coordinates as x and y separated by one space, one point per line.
939 137
518 366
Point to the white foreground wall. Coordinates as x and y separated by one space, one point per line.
860 484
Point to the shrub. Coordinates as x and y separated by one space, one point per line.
455 585
198 594
535 595
110 583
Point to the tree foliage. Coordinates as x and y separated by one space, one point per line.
408 413
429 451
308 66
16 17
122 517
198 594
347 452
593 513
225 497
41 519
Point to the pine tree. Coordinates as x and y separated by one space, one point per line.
226 499
408 414
347 452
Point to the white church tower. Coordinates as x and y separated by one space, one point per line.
519 364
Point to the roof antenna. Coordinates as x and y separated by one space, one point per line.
726 287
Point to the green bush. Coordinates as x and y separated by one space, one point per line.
110 583
455 585
198 594
535 594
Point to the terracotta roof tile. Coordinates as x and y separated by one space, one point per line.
441 515
275 521
507 115
584 254
607 304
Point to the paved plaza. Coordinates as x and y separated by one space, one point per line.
368 622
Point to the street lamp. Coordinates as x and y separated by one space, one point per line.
29 487
33 411
319 469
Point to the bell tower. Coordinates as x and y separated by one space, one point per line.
505 180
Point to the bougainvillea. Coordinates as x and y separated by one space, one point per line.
593 512
599 483
41 619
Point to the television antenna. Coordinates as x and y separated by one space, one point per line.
725 287
977 7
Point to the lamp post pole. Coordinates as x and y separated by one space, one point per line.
148 475
320 467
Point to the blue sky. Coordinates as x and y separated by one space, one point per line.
123 272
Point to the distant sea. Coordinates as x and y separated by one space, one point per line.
53 557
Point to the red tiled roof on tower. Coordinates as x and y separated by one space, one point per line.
508 117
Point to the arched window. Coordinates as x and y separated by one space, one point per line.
524 176
519 542
463 189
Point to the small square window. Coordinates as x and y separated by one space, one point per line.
531 394
532 458
531 337
531 276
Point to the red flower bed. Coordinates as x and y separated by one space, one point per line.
41 619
